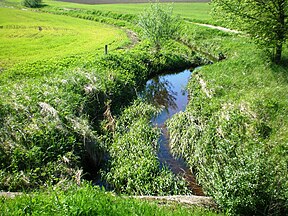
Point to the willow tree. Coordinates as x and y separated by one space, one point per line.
159 24
263 20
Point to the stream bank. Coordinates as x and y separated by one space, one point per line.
168 91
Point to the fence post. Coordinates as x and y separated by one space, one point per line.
106 49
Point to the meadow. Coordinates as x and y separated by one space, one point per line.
26 36
67 103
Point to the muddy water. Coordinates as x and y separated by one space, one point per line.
169 92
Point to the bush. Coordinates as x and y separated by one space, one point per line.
32 3
158 24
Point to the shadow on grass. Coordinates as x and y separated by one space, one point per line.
281 70
40 6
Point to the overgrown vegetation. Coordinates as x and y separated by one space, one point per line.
234 126
51 110
264 21
158 24
32 3
133 166
56 113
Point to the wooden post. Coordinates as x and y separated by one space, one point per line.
106 49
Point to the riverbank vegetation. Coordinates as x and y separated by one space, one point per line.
233 133
69 111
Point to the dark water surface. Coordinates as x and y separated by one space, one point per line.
169 91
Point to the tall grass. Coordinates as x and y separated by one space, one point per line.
233 128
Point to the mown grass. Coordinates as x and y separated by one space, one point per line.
27 36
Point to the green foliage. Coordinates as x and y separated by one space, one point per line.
235 126
51 110
32 3
134 167
158 24
72 199
265 21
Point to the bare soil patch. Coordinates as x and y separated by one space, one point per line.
125 1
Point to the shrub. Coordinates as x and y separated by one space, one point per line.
158 24
32 3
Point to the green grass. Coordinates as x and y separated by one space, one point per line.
234 129
22 41
233 132
193 11
89 200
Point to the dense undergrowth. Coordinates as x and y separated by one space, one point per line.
134 167
233 133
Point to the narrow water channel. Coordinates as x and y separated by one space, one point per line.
169 92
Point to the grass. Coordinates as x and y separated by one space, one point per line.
89 200
59 37
199 12
235 125
194 11
233 132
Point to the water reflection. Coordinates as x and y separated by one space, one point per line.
169 92
159 91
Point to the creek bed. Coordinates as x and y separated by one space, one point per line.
169 92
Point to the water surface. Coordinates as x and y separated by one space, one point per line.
169 91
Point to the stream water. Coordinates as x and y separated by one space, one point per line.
169 91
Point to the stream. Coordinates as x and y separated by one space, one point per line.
169 92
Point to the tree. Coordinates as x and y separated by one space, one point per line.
158 24
264 20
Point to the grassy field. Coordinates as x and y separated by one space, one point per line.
58 37
196 11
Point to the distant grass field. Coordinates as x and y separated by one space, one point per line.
193 10
197 11
25 36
